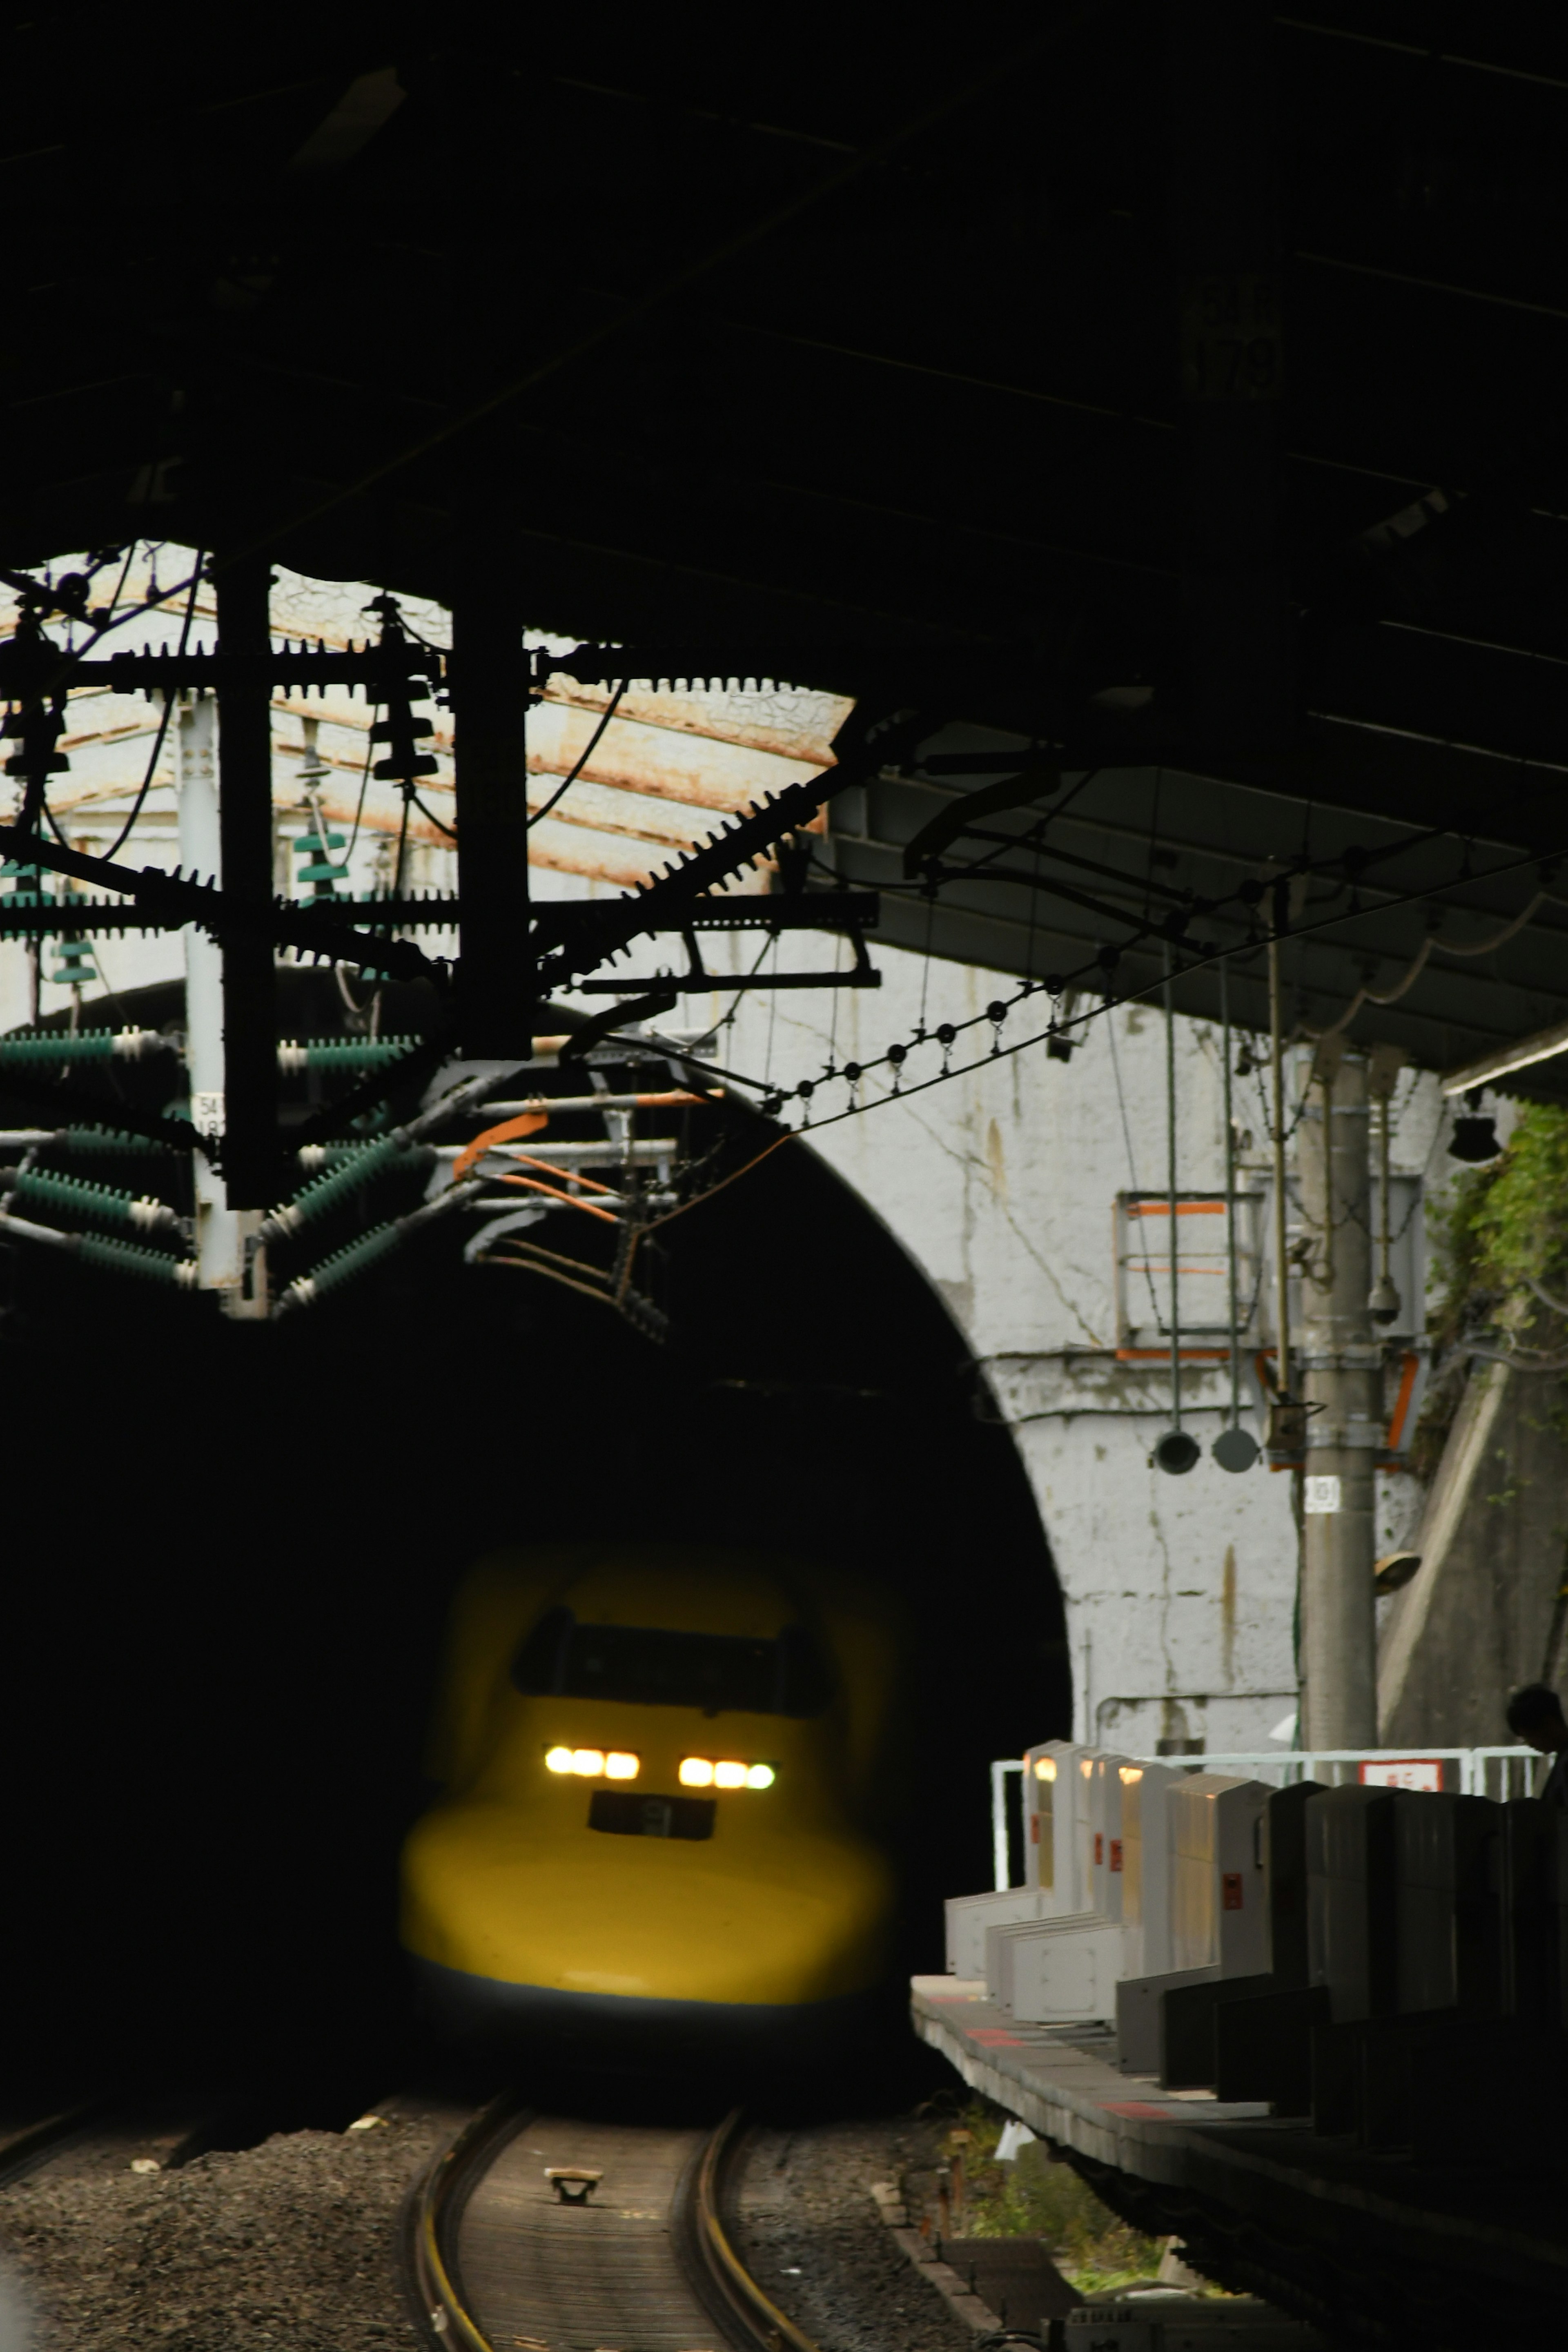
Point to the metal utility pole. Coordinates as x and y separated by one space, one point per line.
253 1168
1277 1139
1340 1362
490 694
228 1259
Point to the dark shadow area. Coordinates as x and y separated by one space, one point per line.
231 1549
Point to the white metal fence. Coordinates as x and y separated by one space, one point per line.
1499 1772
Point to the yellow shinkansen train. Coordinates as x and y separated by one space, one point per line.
662 1771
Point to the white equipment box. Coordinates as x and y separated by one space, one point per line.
1056 1971
1146 1868
1104 1845
969 1915
1051 1816
1219 1912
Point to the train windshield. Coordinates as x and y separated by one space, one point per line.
649 1666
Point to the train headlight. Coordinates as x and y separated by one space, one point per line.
593 1763
702 1772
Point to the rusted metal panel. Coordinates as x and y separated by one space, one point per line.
669 769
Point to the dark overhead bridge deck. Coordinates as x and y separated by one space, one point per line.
1176 388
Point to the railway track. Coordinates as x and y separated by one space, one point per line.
506 2252
26 2147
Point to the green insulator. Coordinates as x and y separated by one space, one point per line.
124 1257
338 1184
25 887
108 1139
297 1055
38 1050
73 1197
75 968
318 867
345 1264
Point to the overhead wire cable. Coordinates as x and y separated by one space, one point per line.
530 1264
169 700
572 1265
1230 1260
109 613
534 1184
363 785
537 816
1172 1200
1131 1164
434 820
1094 971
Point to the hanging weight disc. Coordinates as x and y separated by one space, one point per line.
1176 1451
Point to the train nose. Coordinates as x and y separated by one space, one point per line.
647 1917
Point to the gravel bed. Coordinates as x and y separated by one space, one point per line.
290 2244
807 2228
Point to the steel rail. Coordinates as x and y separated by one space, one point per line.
429 2224
432 2216
25 2150
764 2323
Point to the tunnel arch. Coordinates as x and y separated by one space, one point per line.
238 1543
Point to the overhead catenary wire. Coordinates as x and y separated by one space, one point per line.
853 1073
1104 962
1093 970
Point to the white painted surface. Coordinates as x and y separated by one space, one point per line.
1001 1185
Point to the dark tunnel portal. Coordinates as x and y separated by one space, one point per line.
232 1548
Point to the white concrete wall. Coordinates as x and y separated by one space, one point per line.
1180 1591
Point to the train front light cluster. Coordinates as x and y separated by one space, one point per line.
704 1772
594 1763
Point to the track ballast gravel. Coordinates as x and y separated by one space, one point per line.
290 2244
807 2227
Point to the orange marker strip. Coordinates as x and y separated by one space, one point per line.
529 1123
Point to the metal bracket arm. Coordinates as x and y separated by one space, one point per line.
174 900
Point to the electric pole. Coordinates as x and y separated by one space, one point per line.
1341 1366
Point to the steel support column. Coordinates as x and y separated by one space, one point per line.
490 694
229 1257
1340 1362
252 1160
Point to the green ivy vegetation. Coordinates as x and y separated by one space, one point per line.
1506 1224
1031 2198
